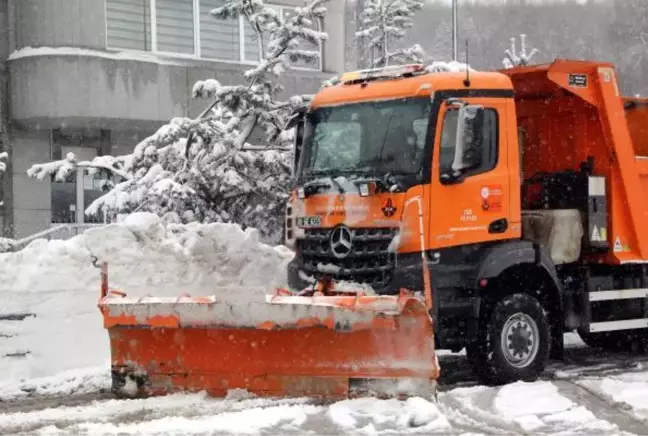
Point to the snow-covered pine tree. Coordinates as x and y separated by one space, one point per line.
204 169
514 59
384 23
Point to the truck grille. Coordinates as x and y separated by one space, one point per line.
369 260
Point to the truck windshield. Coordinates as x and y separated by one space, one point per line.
375 138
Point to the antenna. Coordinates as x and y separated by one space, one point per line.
455 57
467 79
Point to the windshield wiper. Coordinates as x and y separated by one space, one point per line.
338 185
313 186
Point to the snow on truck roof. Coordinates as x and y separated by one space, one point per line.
406 81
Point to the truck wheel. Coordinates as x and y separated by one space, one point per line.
513 341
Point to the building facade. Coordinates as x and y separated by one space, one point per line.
95 77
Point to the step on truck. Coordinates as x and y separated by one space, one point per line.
519 197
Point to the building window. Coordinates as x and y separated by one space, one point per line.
186 28
219 39
174 25
129 24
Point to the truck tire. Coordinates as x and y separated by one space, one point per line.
513 341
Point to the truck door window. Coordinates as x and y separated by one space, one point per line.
487 148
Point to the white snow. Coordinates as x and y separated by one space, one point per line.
447 67
175 414
27 52
77 381
512 400
487 410
3 165
144 255
55 280
368 412
630 389
524 408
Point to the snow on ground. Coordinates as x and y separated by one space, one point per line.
58 351
630 390
519 408
522 407
57 283
70 382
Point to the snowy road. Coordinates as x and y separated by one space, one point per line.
588 394
48 330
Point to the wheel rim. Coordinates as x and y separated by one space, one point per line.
520 340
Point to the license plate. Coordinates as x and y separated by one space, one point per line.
308 221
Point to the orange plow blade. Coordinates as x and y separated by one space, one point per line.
317 346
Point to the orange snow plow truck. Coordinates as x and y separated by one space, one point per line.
432 209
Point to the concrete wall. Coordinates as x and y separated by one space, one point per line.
88 91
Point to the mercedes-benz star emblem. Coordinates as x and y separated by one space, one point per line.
340 242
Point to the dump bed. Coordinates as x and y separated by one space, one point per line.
636 110
572 111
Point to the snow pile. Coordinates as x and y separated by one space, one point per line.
372 416
546 400
78 381
145 256
57 283
525 408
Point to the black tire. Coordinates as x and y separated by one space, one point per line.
524 317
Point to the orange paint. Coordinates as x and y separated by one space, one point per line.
311 358
566 124
163 321
562 113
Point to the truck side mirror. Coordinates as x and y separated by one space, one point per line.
468 153
297 144
296 121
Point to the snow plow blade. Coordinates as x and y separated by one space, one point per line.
316 346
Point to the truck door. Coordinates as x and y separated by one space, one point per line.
472 205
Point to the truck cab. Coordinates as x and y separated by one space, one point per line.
492 189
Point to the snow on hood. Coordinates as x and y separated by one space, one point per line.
145 257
